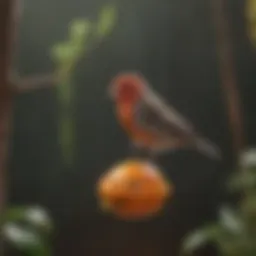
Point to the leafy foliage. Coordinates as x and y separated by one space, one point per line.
235 232
27 229
84 35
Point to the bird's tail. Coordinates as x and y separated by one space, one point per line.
208 148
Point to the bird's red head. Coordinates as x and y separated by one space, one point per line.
127 87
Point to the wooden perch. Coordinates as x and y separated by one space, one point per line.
35 82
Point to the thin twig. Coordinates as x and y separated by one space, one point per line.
228 76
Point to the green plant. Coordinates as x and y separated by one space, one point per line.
235 232
84 35
28 229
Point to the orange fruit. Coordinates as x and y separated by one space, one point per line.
133 189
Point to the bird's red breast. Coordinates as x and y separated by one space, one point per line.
140 136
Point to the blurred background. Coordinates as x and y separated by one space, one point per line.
173 43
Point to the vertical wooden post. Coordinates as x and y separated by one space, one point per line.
228 74
10 14
7 34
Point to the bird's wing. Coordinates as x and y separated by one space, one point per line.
153 113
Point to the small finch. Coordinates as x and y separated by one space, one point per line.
150 123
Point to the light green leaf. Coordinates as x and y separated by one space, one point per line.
64 52
198 239
107 19
38 217
79 29
229 219
20 236
195 240
248 158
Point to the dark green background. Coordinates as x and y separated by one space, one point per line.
172 42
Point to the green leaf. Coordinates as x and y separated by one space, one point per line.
248 158
64 52
79 29
230 220
20 236
27 241
38 217
29 235
199 238
107 19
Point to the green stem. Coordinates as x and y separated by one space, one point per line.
66 123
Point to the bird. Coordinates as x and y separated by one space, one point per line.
151 124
